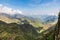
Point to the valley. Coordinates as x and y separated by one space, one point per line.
25 28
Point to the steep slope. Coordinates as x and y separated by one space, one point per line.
8 20
20 27
21 19
48 27
14 31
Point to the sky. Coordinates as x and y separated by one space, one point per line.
30 7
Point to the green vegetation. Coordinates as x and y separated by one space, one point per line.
14 31
24 31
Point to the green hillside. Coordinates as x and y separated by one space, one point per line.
14 31
26 31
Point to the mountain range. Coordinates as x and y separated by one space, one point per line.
24 27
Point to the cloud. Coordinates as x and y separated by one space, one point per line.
44 11
5 9
47 8
36 7
1 5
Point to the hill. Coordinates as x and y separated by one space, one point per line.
20 27
14 31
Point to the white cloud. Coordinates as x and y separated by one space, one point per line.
1 5
5 9
44 11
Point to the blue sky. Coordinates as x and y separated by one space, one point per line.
34 7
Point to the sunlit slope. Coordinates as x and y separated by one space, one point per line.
36 23
48 26
19 19
8 20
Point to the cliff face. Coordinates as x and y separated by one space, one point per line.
59 26
57 29
59 23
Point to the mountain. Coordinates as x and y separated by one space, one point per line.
15 31
36 21
19 17
21 27
26 31
49 19
46 18
48 22
7 18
